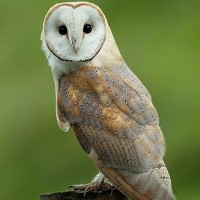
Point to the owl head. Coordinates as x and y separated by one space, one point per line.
74 31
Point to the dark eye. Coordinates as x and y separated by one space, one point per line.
87 28
62 30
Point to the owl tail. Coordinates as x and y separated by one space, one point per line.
154 184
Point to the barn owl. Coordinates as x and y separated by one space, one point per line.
103 101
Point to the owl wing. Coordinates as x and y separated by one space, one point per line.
116 123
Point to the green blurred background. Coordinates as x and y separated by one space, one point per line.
160 41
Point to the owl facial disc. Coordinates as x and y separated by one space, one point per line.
74 33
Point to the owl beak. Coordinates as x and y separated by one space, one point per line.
74 44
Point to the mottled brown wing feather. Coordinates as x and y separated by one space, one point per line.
119 107
112 115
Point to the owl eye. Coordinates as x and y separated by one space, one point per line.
62 30
87 28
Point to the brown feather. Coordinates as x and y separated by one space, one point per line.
113 116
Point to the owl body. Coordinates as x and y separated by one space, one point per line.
106 105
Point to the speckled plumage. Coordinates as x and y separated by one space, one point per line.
113 118
112 115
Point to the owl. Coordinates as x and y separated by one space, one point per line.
103 101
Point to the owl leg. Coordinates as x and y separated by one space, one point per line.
97 184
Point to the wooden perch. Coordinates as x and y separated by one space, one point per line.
72 195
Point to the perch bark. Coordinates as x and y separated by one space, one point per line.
71 195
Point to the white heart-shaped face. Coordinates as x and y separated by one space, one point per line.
74 32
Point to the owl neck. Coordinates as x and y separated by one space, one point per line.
60 68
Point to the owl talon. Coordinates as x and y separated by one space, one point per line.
112 188
92 187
